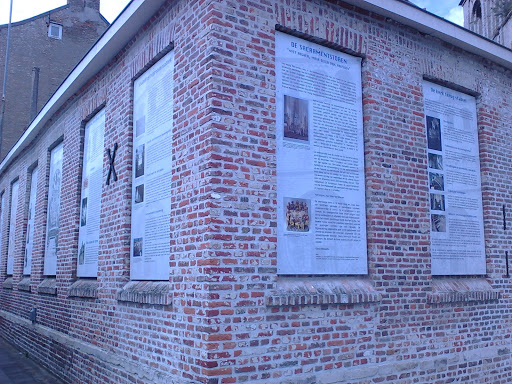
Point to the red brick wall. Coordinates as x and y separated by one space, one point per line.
223 326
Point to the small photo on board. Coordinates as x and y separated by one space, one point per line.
139 193
139 160
438 223
51 246
437 202
436 181
27 240
435 161
140 126
434 133
296 121
297 214
83 212
137 247
81 254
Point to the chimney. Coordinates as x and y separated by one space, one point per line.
81 4
93 4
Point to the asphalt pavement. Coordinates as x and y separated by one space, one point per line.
18 368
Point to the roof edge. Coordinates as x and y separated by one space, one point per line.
138 12
44 14
114 39
426 22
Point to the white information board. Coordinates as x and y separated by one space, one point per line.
320 160
12 227
90 202
152 172
29 240
53 215
455 191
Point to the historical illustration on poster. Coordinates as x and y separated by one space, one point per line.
152 167
12 227
455 192
29 239
320 160
53 216
90 201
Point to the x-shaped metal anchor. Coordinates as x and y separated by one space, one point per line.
111 169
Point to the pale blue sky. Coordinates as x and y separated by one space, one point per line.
23 9
449 9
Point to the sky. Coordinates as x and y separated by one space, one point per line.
449 9
23 9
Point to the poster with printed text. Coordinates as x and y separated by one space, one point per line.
455 191
29 239
152 171
90 201
53 215
320 160
12 227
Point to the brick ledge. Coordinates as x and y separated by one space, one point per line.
146 292
7 284
84 288
24 284
322 290
453 290
48 286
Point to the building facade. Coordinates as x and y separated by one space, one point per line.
272 192
490 18
43 50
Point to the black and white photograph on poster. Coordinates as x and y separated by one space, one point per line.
296 118
438 223
435 161
140 126
436 202
434 133
436 181
139 193
28 239
83 213
137 247
51 245
139 160
298 214
81 254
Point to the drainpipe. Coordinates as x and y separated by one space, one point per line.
35 92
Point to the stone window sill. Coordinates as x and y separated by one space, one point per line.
455 290
48 286
146 292
7 284
321 291
24 284
87 288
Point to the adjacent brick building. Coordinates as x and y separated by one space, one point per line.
490 18
44 49
225 314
